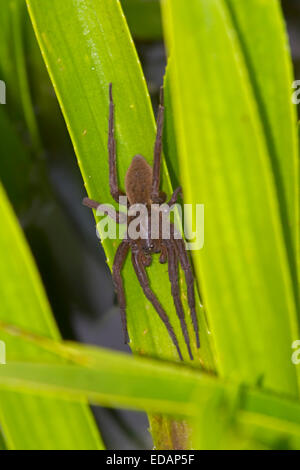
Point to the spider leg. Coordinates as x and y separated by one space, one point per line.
174 197
163 255
173 276
113 180
143 279
116 273
118 217
90 203
157 150
185 263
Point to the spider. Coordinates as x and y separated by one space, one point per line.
142 187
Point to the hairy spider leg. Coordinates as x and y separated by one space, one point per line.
143 279
90 203
174 196
119 260
163 254
117 216
189 279
155 194
124 247
113 179
173 276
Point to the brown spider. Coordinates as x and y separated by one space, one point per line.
142 187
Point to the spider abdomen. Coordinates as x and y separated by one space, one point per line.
138 181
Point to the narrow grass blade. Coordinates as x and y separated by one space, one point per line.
244 413
33 422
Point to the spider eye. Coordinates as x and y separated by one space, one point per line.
148 247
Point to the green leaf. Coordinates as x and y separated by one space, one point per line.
53 424
247 416
143 18
86 45
244 271
216 421
77 383
271 79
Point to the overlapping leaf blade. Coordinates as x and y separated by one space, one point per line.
242 417
86 45
271 80
244 270
53 423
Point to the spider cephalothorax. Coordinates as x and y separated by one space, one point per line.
142 187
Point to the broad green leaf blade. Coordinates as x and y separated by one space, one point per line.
215 421
143 18
108 386
47 423
260 30
243 269
249 416
86 45
52 424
